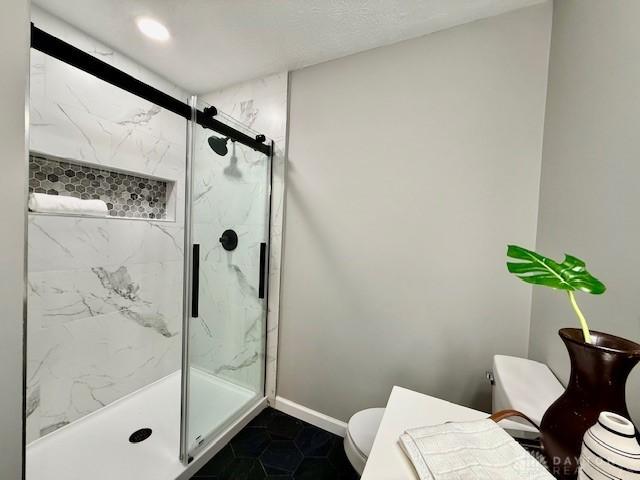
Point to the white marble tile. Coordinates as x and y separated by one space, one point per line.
228 337
262 105
77 116
230 192
37 78
74 133
71 88
147 294
104 295
275 263
58 242
89 363
96 335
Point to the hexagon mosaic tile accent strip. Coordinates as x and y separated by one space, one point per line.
126 195
277 446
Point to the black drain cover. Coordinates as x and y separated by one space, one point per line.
140 435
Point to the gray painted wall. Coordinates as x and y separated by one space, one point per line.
591 173
410 169
14 58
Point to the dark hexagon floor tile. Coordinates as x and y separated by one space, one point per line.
273 445
348 474
250 442
218 464
263 418
338 458
316 469
243 469
314 442
284 427
281 457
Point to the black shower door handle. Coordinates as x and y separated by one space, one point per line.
263 267
195 280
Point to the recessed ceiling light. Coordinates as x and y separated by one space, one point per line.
153 29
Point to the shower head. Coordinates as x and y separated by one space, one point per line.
218 145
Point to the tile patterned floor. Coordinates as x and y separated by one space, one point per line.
279 447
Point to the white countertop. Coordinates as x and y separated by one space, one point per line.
408 409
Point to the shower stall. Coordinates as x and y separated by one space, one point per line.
225 331
146 326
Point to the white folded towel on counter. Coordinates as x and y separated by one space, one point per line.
41 202
478 450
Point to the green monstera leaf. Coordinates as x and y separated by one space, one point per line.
570 275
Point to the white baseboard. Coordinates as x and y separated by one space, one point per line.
305 414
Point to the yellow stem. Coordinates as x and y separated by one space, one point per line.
583 321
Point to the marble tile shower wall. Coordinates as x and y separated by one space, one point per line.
262 105
227 338
104 295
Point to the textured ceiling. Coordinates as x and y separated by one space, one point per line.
220 42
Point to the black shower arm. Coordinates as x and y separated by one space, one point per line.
67 53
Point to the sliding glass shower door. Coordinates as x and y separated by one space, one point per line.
224 344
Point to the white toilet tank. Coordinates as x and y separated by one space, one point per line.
524 385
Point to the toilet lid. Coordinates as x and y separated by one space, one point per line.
363 428
529 386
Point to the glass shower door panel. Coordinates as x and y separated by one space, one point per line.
229 226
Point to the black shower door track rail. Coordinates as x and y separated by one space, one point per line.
67 53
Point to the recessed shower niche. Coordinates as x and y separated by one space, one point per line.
127 194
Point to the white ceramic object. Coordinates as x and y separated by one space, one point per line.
515 380
361 432
610 450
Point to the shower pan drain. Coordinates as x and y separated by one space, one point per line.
140 435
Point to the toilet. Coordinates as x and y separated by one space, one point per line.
517 384
524 385
361 431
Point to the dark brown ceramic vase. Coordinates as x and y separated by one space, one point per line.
597 383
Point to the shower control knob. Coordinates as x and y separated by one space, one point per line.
229 240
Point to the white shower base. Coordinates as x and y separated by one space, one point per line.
97 446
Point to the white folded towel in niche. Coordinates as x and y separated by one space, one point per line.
478 450
41 202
